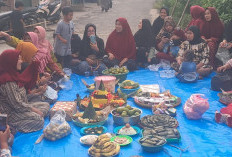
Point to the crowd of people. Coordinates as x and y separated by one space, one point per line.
27 70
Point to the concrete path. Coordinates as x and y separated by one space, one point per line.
132 10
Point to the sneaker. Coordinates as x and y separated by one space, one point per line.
218 117
229 121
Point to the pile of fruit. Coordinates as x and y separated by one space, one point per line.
118 70
127 111
104 147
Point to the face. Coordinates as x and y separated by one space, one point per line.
91 31
208 16
189 35
19 63
140 25
27 38
69 16
118 26
168 27
163 13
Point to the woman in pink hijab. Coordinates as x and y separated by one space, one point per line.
46 49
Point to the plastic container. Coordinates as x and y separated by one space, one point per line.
67 71
108 81
129 91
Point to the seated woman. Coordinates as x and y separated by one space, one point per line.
211 31
120 46
159 22
200 49
187 72
21 115
143 40
197 13
168 40
92 51
224 52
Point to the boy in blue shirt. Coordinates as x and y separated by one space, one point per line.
63 35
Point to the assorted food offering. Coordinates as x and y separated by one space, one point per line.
152 132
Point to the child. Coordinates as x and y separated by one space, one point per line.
187 72
16 20
64 31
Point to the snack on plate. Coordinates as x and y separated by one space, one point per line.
88 139
58 127
118 70
127 111
152 141
70 107
128 84
97 130
225 97
104 147
127 130
122 140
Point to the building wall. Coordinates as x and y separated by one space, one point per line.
10 3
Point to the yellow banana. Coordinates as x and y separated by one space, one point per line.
110 148
113 152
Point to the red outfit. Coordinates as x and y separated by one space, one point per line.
121 44
9 73
213 30
197 13
227 110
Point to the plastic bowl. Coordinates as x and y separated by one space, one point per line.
116 130
122 136
89 124
152 149
83 130
129 91
121 77
119 120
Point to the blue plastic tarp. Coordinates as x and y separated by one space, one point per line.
204 137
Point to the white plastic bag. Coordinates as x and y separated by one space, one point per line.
50 93
58 127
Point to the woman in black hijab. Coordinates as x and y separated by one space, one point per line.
143 40
91 52
159 21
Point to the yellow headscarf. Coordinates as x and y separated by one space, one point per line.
28 51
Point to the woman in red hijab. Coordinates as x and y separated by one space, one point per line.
21 115
120 46
197 13
211 31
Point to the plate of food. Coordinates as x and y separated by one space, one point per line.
88 139
127 130
93 130
122 140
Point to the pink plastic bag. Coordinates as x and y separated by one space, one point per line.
196 106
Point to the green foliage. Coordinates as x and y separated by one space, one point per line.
224 8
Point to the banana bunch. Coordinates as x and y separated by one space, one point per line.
103 147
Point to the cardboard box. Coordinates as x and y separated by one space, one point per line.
70 108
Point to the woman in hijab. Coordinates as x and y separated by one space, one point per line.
46 50
143 40
211 31
159 21
91 52
197 13
168 40
120 46
21 115
200 49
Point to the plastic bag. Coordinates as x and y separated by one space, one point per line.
196 106
58 127
50 93
223 55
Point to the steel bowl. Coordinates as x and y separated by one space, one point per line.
133 120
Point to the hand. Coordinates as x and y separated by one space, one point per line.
74 55
33 109
174 37
4 136
223 68
90 61
44 79
149 60
94 47
111 56
42 89
223 44
179 60
64 41
123 61
3 34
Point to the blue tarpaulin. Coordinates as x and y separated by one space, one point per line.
204 137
